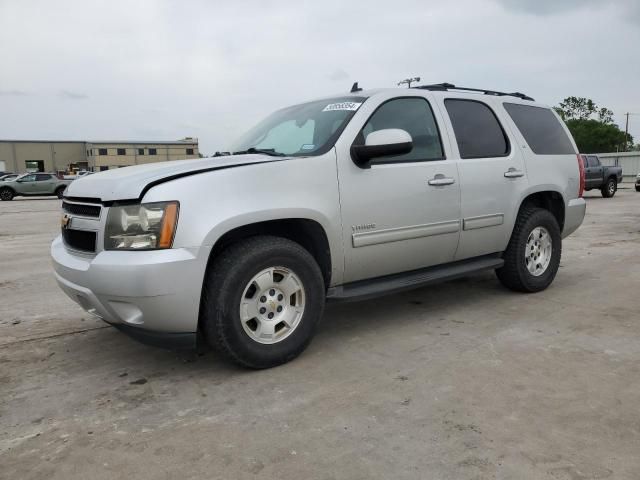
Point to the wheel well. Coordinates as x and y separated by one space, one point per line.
60 187
551 201
308 233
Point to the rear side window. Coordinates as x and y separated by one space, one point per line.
593 161
477 130
541 129
41 177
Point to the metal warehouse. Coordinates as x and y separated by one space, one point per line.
72 156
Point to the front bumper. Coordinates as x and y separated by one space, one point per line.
574 215
154 296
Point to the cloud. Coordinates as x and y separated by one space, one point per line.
13 93
628 9
152 68
546 7
338 75
72 95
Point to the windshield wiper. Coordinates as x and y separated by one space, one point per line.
266 151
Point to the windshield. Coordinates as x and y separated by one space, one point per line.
301 130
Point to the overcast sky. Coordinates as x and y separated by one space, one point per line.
162 70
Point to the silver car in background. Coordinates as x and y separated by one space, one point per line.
337 199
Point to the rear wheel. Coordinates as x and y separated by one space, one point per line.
637 189
261 302
60 192
609 188
532 258
6 194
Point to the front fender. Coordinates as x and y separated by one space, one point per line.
214 203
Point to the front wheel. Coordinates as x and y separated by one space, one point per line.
6 194
609 189
262 300
60 192
532 258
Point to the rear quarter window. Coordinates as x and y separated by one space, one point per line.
541 129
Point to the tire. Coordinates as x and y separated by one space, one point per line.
515 274
230 281
609 189
60 192
637 189
6 194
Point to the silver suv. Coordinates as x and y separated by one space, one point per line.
342 198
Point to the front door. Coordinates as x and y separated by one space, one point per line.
399 213
492 175
27 184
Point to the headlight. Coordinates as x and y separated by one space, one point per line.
146 226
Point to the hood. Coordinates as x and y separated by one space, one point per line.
131 183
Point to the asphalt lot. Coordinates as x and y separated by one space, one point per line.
463 380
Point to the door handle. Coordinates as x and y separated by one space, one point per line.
440 180
513 173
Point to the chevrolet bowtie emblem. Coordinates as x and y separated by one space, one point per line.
65 221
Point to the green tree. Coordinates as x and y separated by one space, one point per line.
605 115
594 136
592 126
576 108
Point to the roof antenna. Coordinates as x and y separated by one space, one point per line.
355 88
408 81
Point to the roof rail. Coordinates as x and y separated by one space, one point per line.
450 86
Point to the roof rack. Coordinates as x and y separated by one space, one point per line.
450 86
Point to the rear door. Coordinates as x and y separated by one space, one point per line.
399 213
492 175
44 184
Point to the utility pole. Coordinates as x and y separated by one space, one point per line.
626 133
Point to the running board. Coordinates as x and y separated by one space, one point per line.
365 289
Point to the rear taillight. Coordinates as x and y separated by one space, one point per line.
581 169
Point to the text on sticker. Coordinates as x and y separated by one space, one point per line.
342 106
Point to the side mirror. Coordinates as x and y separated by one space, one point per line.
382 143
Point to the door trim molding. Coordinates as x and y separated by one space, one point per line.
388 235
483 221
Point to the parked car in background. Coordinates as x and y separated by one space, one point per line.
33 185
8 176
603 177
78 175
638 183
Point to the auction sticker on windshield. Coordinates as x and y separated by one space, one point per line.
342 106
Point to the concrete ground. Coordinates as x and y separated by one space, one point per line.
463 380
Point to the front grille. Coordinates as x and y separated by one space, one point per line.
79 239
84 210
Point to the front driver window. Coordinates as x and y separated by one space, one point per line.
414 115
